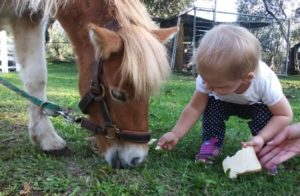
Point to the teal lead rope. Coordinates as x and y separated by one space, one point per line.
48 108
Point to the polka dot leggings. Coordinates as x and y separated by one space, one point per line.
217 112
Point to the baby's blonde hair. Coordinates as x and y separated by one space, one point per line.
228 50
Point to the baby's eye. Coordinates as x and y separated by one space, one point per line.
119 95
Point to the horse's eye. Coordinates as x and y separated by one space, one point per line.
119 95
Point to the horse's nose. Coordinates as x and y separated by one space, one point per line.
135 161
119 163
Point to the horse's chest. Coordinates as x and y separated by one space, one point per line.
6 13
4 21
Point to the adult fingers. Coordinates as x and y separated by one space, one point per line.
279 139
278 159
269 156
267 149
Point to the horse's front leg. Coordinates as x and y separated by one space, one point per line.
30 53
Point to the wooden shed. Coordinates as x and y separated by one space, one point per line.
192 28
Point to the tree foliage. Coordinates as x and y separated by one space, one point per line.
166 8
276 40
58 46
275 9
254 7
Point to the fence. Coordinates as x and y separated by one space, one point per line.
58 48
277 37
280 40
7 57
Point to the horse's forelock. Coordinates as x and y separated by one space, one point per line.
145 60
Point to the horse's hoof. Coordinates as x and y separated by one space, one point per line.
62 152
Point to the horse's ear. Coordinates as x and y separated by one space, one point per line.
104 40
164 34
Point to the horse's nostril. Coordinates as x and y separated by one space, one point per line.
135 161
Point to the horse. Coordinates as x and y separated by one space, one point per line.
121 60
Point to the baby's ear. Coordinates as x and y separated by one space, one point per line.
248 77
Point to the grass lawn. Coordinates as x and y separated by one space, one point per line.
164 173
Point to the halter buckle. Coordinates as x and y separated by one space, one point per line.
98 89
111 132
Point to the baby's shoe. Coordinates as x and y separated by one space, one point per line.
208 151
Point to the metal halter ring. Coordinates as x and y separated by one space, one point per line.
99 89
111 132
46 111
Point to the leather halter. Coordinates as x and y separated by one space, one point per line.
97 94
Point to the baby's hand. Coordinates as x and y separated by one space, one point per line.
168 141
257 142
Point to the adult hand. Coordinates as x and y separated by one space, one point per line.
168 141
283 147
257 142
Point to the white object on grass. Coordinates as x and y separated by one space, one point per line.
157 148
243 161
152 141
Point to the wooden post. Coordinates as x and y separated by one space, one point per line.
18 66
4 51
180 48
194 39
174 47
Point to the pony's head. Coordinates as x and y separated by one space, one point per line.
131 65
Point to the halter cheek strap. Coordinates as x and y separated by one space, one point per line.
97 94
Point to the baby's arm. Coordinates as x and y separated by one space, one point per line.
282 116
187 119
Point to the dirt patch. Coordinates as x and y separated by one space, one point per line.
12 135
18 129
3 185
75 170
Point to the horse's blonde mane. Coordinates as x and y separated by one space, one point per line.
49 7
145 60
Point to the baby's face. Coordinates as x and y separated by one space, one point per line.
222 86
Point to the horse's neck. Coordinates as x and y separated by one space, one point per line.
75 24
